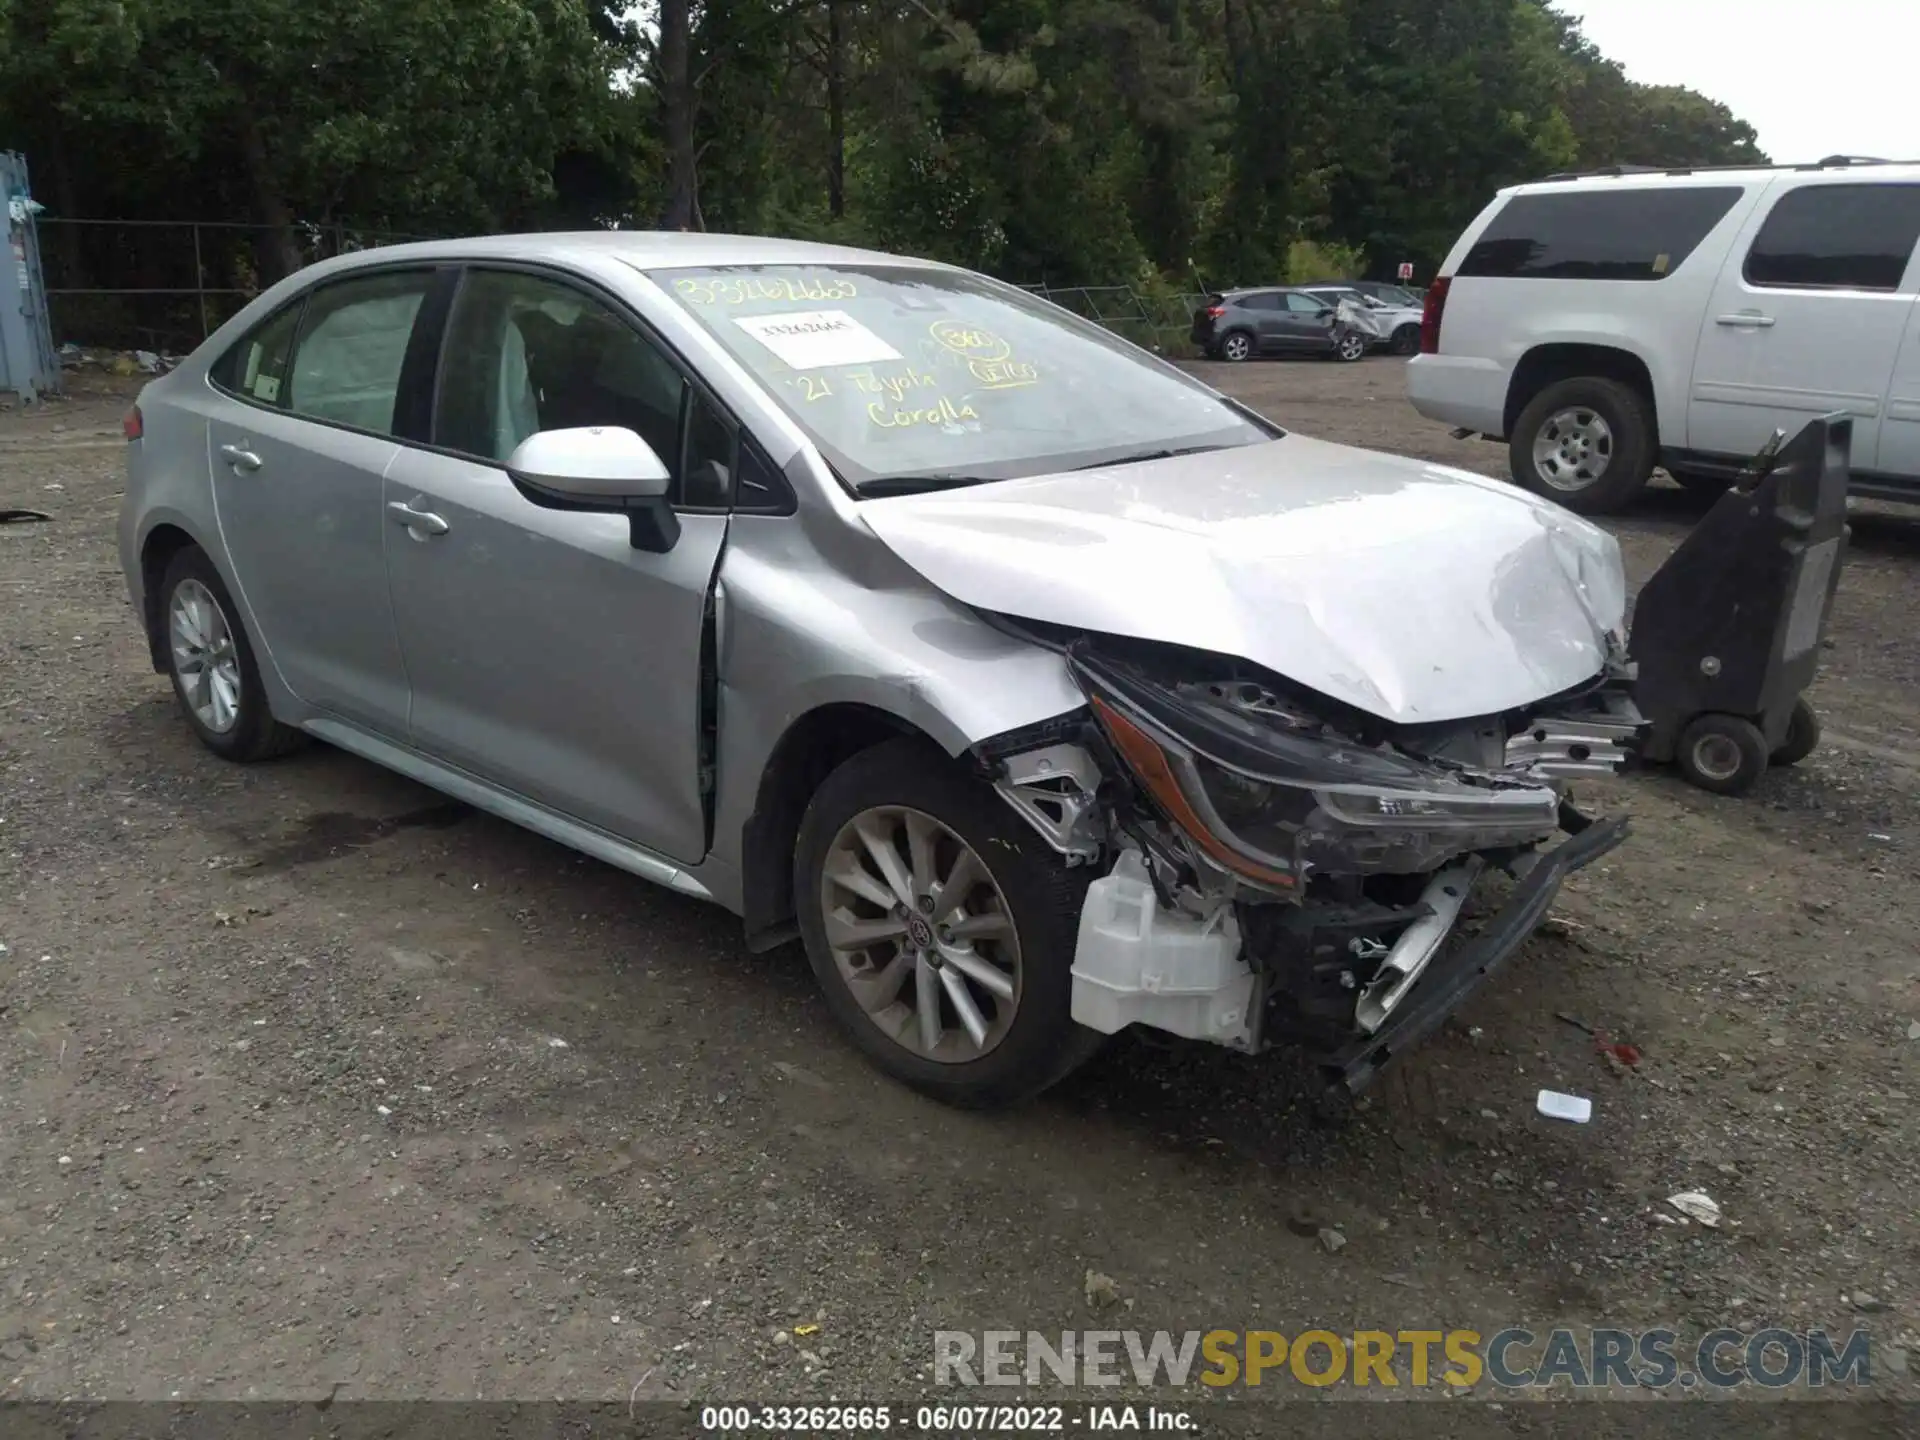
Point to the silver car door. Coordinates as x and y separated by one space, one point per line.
547 655
298 440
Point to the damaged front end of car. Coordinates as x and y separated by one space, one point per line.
1279 868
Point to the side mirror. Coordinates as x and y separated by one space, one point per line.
600 468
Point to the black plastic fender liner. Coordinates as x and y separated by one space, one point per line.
1732 622
1457 973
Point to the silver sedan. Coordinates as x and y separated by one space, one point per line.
1037 688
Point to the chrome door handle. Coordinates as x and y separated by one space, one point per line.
1751 318
240 457
425 521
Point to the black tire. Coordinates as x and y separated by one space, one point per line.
254 733
1042 1043
1234 347
1406 340
1803 735
1722 753
1627 418
1700 482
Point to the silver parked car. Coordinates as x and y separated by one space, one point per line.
1038 688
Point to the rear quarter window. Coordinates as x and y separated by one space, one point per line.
1837 237
1598 235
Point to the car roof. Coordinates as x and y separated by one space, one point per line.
642 249
1854 170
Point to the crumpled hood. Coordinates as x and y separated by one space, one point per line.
1415 592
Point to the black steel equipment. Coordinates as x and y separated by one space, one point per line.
1726 635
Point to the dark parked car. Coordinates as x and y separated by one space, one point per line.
1274 320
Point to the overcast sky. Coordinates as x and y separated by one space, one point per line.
1814 77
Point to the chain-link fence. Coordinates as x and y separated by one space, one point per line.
165 285
1157 322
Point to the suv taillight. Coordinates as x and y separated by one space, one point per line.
131 425
1431 313
1214 312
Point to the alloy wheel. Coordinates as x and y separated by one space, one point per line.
1573 448
921 934
205 660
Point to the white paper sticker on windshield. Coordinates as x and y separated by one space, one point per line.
817 339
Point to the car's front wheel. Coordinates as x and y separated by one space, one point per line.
941 927
1352 346
211 661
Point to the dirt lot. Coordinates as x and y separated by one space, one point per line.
310 1080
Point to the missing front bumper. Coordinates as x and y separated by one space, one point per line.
1453 976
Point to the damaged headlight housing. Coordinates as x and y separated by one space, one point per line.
1272 803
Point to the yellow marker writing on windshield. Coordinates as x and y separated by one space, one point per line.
940 414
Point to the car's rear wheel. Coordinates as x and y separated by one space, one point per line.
1586 443
941 927
210 659
1406 340
1235 345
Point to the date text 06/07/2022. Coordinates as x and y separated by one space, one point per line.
941 1419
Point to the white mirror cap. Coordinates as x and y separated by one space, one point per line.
590 462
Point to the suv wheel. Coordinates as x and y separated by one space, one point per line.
215 675
1406 340
1235 345
1586 443
1352 346
941 927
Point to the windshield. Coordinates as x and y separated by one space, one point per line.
899 372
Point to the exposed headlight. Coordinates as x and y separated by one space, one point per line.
1294 802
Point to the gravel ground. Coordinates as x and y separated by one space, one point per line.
313 1081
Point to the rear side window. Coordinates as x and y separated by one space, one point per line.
256 368
352 344
1265 300
1598 235
1837 237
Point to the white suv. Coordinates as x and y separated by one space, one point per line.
1603 324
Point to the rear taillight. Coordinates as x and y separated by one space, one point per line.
1214 312
131 425
1431 313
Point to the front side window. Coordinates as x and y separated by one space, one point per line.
351 347
524 353
1305 304
899 372
1594 234
1837 237
708 465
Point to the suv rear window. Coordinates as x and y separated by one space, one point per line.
1598 235
1837 237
